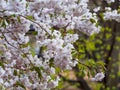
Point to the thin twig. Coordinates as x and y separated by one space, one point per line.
35 23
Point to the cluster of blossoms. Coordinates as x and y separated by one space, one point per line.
110 1
53 22
111 15
98 77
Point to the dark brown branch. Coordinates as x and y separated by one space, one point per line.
94 1
107 61
83 85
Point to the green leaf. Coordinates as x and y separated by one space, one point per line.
70 31
2 87
25 45
15 72
18 18
30 17
43 48
32 52
51 62
118 38
38 70
21 85
34 33
1 64
57 69
92 20
90 45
